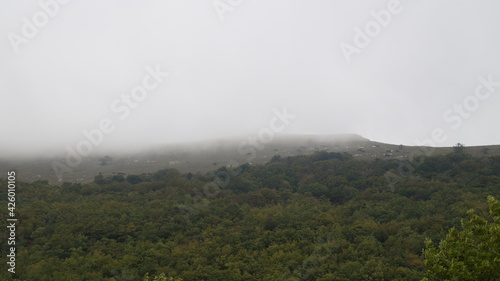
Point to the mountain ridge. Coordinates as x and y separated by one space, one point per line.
204 156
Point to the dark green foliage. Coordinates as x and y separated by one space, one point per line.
134 179
118 178
99 179
469 254
105 160
327 216
166 174
458 148
276 158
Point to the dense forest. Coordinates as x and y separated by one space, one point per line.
326 216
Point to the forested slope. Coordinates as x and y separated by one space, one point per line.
326 216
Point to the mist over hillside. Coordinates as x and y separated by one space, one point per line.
325 216
250 140
204 156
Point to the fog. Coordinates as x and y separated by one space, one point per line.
154 72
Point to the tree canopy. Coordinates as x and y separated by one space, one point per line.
326 216
469 254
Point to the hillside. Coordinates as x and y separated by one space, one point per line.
204 156
325 216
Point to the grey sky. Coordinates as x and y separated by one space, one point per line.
227 76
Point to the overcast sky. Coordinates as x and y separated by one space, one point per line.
66 67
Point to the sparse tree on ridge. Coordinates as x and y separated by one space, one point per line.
105 160
459 148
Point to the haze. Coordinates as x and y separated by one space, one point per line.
230 71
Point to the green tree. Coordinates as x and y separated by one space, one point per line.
101 180
134 179
105 160
458 148
467 255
